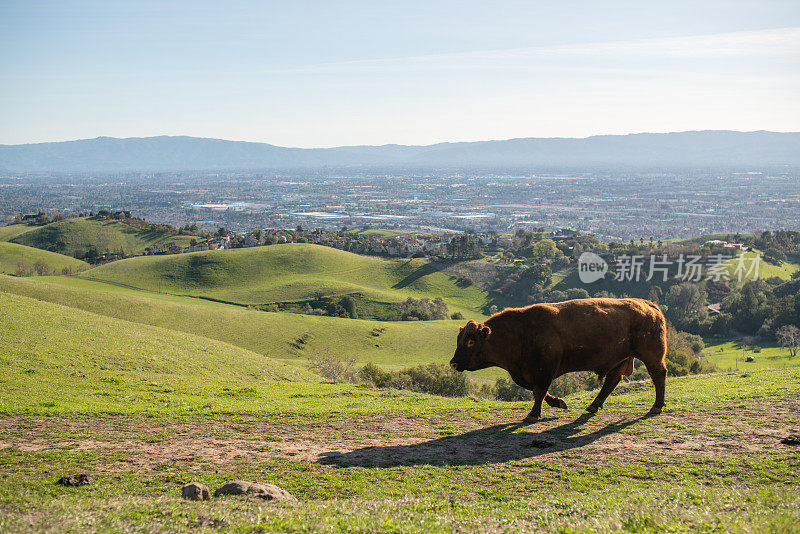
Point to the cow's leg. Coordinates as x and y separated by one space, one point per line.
612 379
658 372
554 401
539 388
538 396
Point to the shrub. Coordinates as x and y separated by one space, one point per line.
697 343
374 376
577 293
464 281
457 316
434 379
423 309
333 368
573 382
41 268
506 389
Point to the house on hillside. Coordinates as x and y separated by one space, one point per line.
724 244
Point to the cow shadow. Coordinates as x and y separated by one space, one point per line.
493 444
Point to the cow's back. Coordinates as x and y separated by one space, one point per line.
598 334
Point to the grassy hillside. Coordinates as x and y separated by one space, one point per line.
291 272
61 358
784 270
732 355
144 411
58 359
77 237
14 256
270 334
11 231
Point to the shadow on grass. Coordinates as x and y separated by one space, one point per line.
494 444
415 275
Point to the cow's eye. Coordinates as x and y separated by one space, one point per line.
470 342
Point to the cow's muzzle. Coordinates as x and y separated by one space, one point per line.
454 366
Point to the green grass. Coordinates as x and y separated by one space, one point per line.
145 409
58 358
12 256
400 344
291 272
784 271
723 236
74 237
11 231
732 355
146 391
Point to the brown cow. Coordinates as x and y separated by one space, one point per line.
541 342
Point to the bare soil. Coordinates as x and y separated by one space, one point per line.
151 444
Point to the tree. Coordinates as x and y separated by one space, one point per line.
577 293
655 294
349 304
686 305
41 268
545 249
789 337
774 256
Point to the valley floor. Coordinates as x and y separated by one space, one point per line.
711 462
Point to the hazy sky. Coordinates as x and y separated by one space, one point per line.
304 73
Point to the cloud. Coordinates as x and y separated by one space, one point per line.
783 43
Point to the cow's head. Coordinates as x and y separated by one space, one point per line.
469 347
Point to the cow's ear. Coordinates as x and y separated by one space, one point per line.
484 331
460 329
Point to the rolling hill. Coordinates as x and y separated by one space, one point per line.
396 344
146 391
10 231
62 357
143 410
701 149
15 258
290 272
79 236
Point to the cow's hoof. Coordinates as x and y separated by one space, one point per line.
562 404
591 408
530 419
655 410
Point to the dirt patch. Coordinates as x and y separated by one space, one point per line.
149 444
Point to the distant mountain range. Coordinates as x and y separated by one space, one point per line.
679 150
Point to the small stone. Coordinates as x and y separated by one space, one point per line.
73 481
196 492
794 439
267 492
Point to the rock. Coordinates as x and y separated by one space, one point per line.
268 492
196 492
76 480
794 439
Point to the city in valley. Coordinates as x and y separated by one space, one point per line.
614 206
